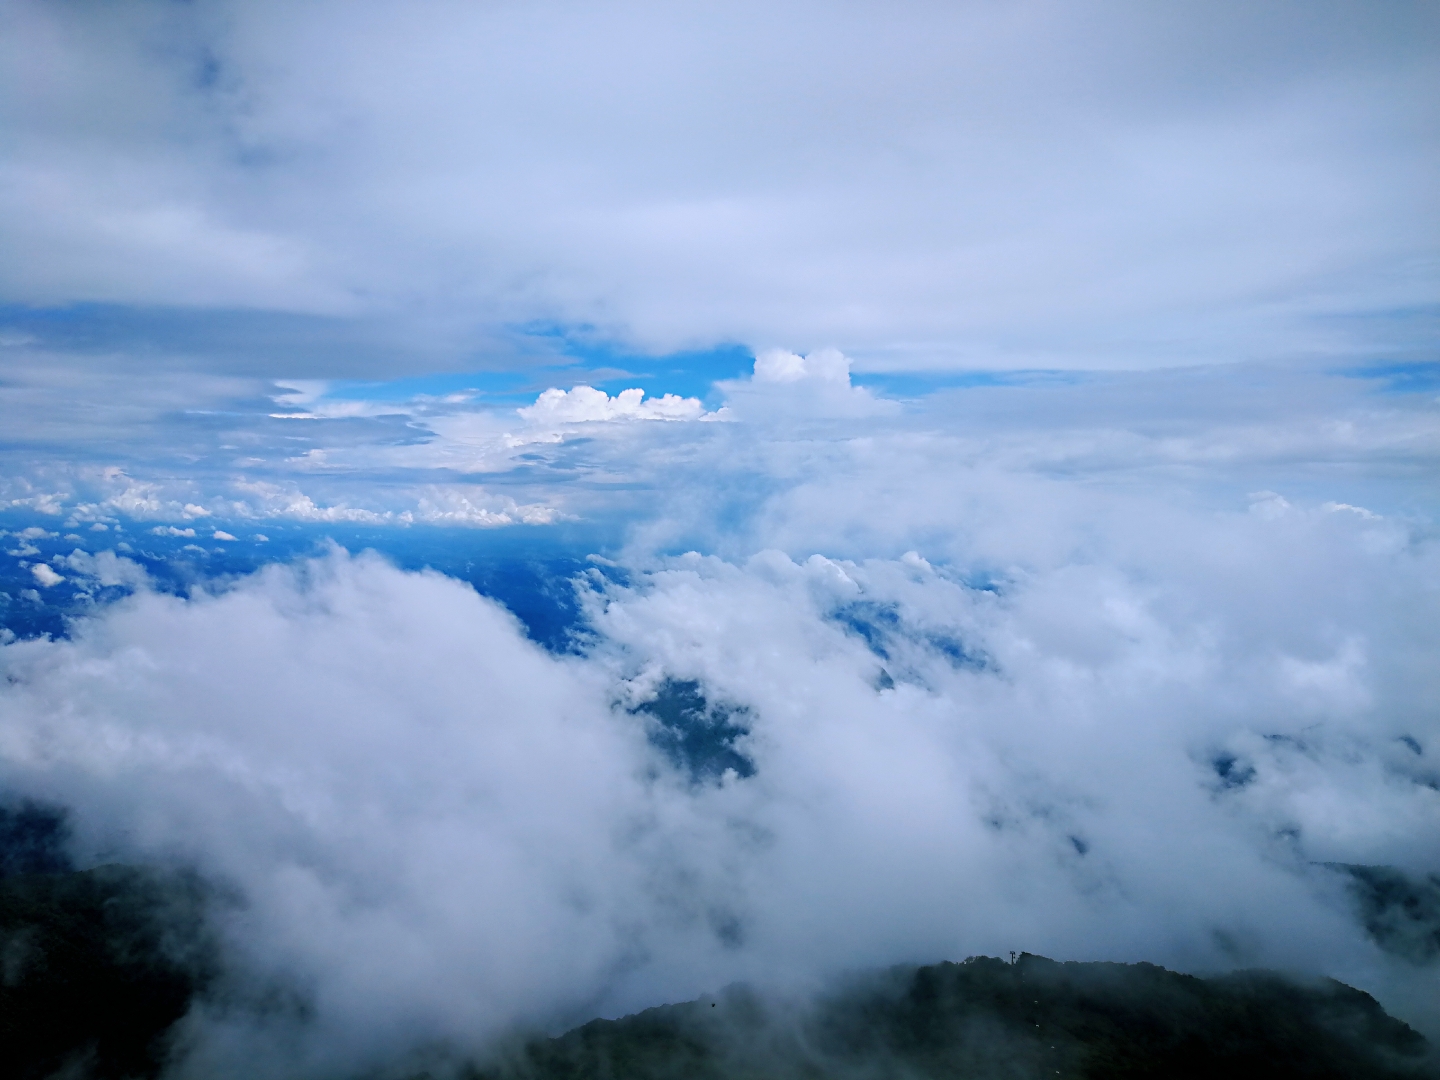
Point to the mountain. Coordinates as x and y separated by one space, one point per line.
986 1018
97 967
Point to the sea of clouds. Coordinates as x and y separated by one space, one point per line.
1065 677
1084 601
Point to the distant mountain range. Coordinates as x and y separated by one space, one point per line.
97 966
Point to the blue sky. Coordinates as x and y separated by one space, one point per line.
1013 410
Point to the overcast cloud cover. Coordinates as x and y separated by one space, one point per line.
983 184
1019 421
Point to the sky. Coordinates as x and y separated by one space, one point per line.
564 506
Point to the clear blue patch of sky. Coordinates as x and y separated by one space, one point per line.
689 373
1408 377
564 358
915 384
491 386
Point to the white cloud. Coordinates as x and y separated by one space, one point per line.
300 393
584 403
779 366
267 499
440 505
1336 507
221 534
171 530
45 503
788 384
107 568
45 576
1036 184
440 829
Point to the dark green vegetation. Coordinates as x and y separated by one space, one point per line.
697 735
96 966
1401 913
986 1018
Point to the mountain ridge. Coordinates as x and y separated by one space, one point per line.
984 1017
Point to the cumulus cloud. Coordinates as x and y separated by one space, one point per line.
585 403
492 866
45 576
441 505
779 366
817 384
1146 737
106 568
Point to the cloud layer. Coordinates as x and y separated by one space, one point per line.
1143 737
1027 184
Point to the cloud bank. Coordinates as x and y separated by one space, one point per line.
1023 184
1147 736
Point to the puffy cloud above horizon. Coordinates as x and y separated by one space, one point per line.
1019 184
1101 667
581 404
209 451
787 385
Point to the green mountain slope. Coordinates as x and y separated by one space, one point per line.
97 966
986 1018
